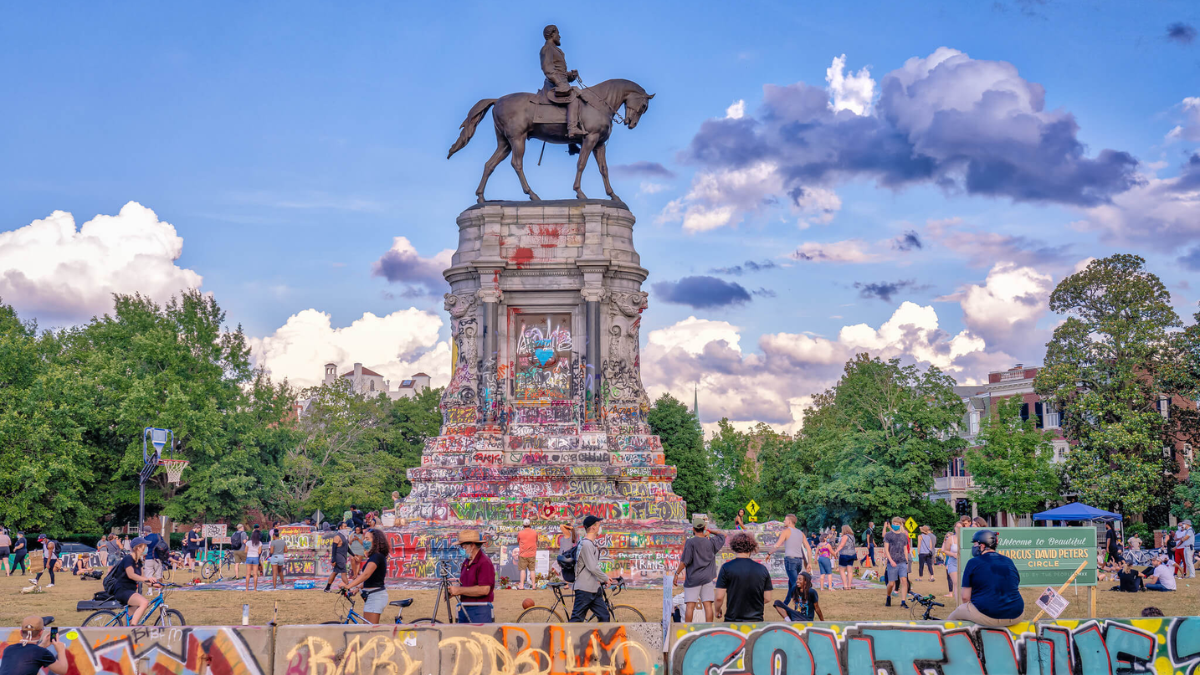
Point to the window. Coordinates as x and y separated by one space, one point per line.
974 422
372 385
1024 412
1167 452
1051 416
1187 454
1164 407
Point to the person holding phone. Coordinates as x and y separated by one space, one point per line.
30 655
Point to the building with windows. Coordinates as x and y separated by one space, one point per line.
370 383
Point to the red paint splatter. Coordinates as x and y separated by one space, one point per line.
522 257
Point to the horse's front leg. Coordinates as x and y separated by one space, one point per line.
585 149
518 162
602 163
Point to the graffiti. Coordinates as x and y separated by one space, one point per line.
178 651
1049 648
459 415
638 458
543 357
554 413
644 488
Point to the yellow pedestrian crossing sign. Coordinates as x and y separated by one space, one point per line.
752 509
911 526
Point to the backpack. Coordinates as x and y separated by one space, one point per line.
566 562
236 541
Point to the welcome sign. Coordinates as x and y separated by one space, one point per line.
1044 556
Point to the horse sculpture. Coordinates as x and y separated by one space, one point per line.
520 116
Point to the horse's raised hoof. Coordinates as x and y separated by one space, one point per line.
579 194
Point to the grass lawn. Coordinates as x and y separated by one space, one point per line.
202 608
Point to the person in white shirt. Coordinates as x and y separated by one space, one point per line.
1185 538
1163 578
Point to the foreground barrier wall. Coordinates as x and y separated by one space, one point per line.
1169 646
163 651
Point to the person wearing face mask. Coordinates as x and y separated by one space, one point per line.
896 552
990 586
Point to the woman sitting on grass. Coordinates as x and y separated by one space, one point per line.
804 599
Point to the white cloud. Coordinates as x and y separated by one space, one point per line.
692 334
982 248
847 251
59 274
720 198
1005 309
650 188
816 206
851 91
736 111
1189 130
1161 213
396 346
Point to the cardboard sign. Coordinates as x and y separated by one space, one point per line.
1044 556
542 566
1052 602
213 529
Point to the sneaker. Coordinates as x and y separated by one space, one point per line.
50 586
328 590
904 604
888 601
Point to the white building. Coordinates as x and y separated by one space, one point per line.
370 383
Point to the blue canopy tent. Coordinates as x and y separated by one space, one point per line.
1077 511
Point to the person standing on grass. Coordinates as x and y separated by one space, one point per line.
991 594
30 655
896 546
192 541
253 556
805 601
847 555
237 545
49 558
743 584
698 567
5 549
950 550
374 573
825 563
339 552
869 542
926 545
796 550
526 554
278 559
1187 541
115 552
588 575
19 550
477 581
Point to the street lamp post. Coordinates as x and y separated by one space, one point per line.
157 438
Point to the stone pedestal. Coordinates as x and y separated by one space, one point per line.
545 414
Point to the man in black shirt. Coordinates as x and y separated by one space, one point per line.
338 551
30 655
746 582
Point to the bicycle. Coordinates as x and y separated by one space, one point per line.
617 613
353 617
926 601
163 615
220 568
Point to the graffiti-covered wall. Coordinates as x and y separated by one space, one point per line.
1169 646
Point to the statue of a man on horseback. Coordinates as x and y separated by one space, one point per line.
559 114
557 89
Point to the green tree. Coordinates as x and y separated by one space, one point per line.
683 445
1012 465
409 422
1106 366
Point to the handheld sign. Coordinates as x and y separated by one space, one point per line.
1052 603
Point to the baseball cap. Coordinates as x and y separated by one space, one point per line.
591 520
525 522
138 541
699 521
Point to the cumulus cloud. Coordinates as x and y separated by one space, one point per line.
60 274
736 111
775 383
402 264
396 346
701 292
644 169
1189 127
1161 213
981 248
744 268
965 125
1006 308
885 290
1181 32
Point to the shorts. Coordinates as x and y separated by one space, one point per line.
339 566
252 561
190 553
847 560
239 556
3 551
376 600
277 559
825 565
524 563
897 572
703 593
152 568
124 594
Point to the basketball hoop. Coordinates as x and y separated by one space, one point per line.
174 468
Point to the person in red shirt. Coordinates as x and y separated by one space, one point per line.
526 554
477 579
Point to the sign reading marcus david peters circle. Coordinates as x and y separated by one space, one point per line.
1044 556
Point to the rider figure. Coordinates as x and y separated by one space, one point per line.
557 89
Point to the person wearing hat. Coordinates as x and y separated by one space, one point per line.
30 655
698 566
991 594
477 581
49 558
526 553
122 580
588 575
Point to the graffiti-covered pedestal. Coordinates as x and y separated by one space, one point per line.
545 414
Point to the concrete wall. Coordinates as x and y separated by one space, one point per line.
1169 646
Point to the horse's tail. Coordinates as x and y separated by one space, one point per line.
468 126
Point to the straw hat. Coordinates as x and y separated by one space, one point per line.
469 537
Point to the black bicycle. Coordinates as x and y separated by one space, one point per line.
926 601
617 613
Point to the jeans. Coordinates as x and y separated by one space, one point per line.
474 613
923 560
1188 553
793 567
585 601
1157 587
49 568
19 561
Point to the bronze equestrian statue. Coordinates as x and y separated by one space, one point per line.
587 119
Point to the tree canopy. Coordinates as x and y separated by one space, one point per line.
1012 464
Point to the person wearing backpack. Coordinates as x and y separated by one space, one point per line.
237 544
122 580
588 576
158 553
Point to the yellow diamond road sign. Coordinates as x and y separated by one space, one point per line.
752 507
910 524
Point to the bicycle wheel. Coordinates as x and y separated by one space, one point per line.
170 617
427 621
103 617
208 570
539 615
625 614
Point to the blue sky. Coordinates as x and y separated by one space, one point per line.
288 144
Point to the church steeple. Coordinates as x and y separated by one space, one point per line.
696 405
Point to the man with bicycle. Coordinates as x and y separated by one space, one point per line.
477 579
589 578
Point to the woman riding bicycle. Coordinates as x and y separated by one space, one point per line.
123 579
371 579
